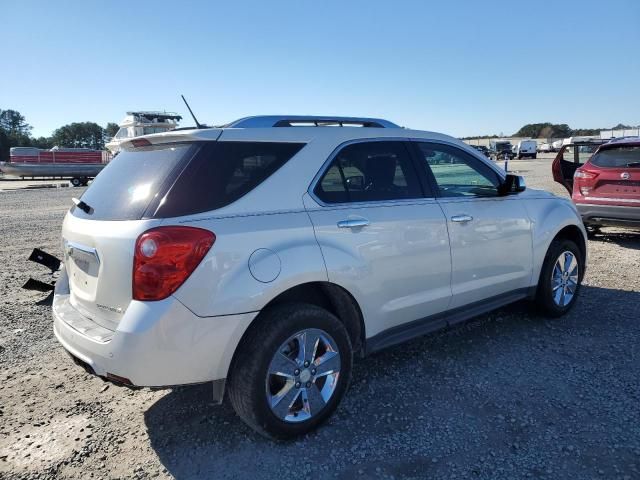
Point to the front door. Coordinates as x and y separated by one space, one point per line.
490 235
383 239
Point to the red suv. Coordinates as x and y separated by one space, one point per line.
605 185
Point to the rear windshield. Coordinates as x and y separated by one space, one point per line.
181 179
621 157
127 185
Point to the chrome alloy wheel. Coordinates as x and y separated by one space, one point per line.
564 279
303 375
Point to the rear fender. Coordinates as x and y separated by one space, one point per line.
253 260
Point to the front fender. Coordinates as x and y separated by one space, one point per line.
549 216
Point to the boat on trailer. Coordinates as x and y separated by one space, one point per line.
140 123
78 164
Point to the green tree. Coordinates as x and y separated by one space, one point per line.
42 142
13 123
14 132
111 129
544 130
79 135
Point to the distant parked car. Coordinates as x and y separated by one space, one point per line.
604 181
482 149
526 149
501 150
545 148
556 146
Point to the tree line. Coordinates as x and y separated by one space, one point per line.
16 132
554 130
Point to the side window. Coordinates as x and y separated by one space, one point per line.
369 172
223 172
458 174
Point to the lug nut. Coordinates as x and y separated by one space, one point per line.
297 384
308 384
313 371
306 363
296 372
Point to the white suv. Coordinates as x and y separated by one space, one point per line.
263 255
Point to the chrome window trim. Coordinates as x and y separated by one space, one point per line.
327 163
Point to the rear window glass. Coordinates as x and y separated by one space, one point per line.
221 173
132 180
621 157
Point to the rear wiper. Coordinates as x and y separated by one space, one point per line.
82 206
633 164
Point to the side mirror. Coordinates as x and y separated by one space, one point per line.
512 184
355 182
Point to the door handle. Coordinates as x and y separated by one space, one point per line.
353 223
461 218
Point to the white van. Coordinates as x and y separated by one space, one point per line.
526 148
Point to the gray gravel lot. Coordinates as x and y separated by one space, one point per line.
508 395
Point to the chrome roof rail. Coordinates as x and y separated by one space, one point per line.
269 121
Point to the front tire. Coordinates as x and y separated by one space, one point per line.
560 278
291 371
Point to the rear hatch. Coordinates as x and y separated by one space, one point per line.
99 235
143 188
617 176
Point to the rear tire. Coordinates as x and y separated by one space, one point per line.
557 291
280 389
76 182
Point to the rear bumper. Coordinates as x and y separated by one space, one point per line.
609 215
156 344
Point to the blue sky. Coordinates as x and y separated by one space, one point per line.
462 68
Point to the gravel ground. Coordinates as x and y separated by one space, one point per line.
508 395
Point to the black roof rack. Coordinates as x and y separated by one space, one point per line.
269 121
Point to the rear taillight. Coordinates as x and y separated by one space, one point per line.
165 257
584 174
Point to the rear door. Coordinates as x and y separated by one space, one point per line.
383 238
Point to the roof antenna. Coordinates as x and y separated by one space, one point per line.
198 124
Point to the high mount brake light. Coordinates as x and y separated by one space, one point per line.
140 142
165 257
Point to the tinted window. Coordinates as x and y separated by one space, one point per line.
458 174
369 171
127 185
620 157
221 173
